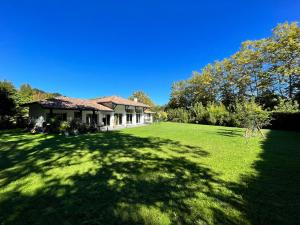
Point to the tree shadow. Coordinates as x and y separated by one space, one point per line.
118 178
230 132
124 179
272 196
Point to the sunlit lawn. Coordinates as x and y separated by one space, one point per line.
166 173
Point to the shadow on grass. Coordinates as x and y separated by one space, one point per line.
230 132
125 179
273 195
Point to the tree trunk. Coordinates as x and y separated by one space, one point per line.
290 87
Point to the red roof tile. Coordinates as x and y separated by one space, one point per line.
71 103
120 101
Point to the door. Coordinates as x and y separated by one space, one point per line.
106 120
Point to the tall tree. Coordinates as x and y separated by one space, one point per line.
142 97
282 55
180 95
7 99
266 69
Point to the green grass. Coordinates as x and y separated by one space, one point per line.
166 173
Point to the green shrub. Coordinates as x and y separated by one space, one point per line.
160 116
216 114
285 121
251 116
287 106
53 125
64 126
198 112
180 115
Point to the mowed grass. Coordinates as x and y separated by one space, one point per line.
165 173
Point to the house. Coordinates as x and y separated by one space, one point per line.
108 112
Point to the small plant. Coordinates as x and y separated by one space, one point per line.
64 127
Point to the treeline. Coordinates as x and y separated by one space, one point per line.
11 99
267 70
257 86
219 114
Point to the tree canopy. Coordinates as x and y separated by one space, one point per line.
266 69
142 97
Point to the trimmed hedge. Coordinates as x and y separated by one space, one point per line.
285 121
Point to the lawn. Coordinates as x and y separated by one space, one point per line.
165 173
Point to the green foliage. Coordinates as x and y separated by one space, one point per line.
216 113
286 106
251 116
7 99
142 97
198 112
64 126
11 101
180 115
53 125
265 69
285 120
160 116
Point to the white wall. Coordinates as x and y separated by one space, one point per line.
36 111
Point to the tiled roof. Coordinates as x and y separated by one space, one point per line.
120 101
71 103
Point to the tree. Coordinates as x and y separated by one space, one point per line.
142 97
265 69
250 116
7 99
180 95
282 55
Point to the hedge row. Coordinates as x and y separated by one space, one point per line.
285 121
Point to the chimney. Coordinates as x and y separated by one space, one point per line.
135 99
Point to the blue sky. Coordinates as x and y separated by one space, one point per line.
94 48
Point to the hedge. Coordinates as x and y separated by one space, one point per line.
285 121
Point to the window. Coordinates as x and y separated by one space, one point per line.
58 116
91 119
118 118
138 118
106 120
138 110
78 115
129 118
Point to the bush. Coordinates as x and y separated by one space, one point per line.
285 120
198 113
216 114
64 126
180 115
53 125
82 129
91 129
160 116
287 106
6 123
251 116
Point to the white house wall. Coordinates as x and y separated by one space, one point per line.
36 111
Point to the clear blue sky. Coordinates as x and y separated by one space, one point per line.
95 48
